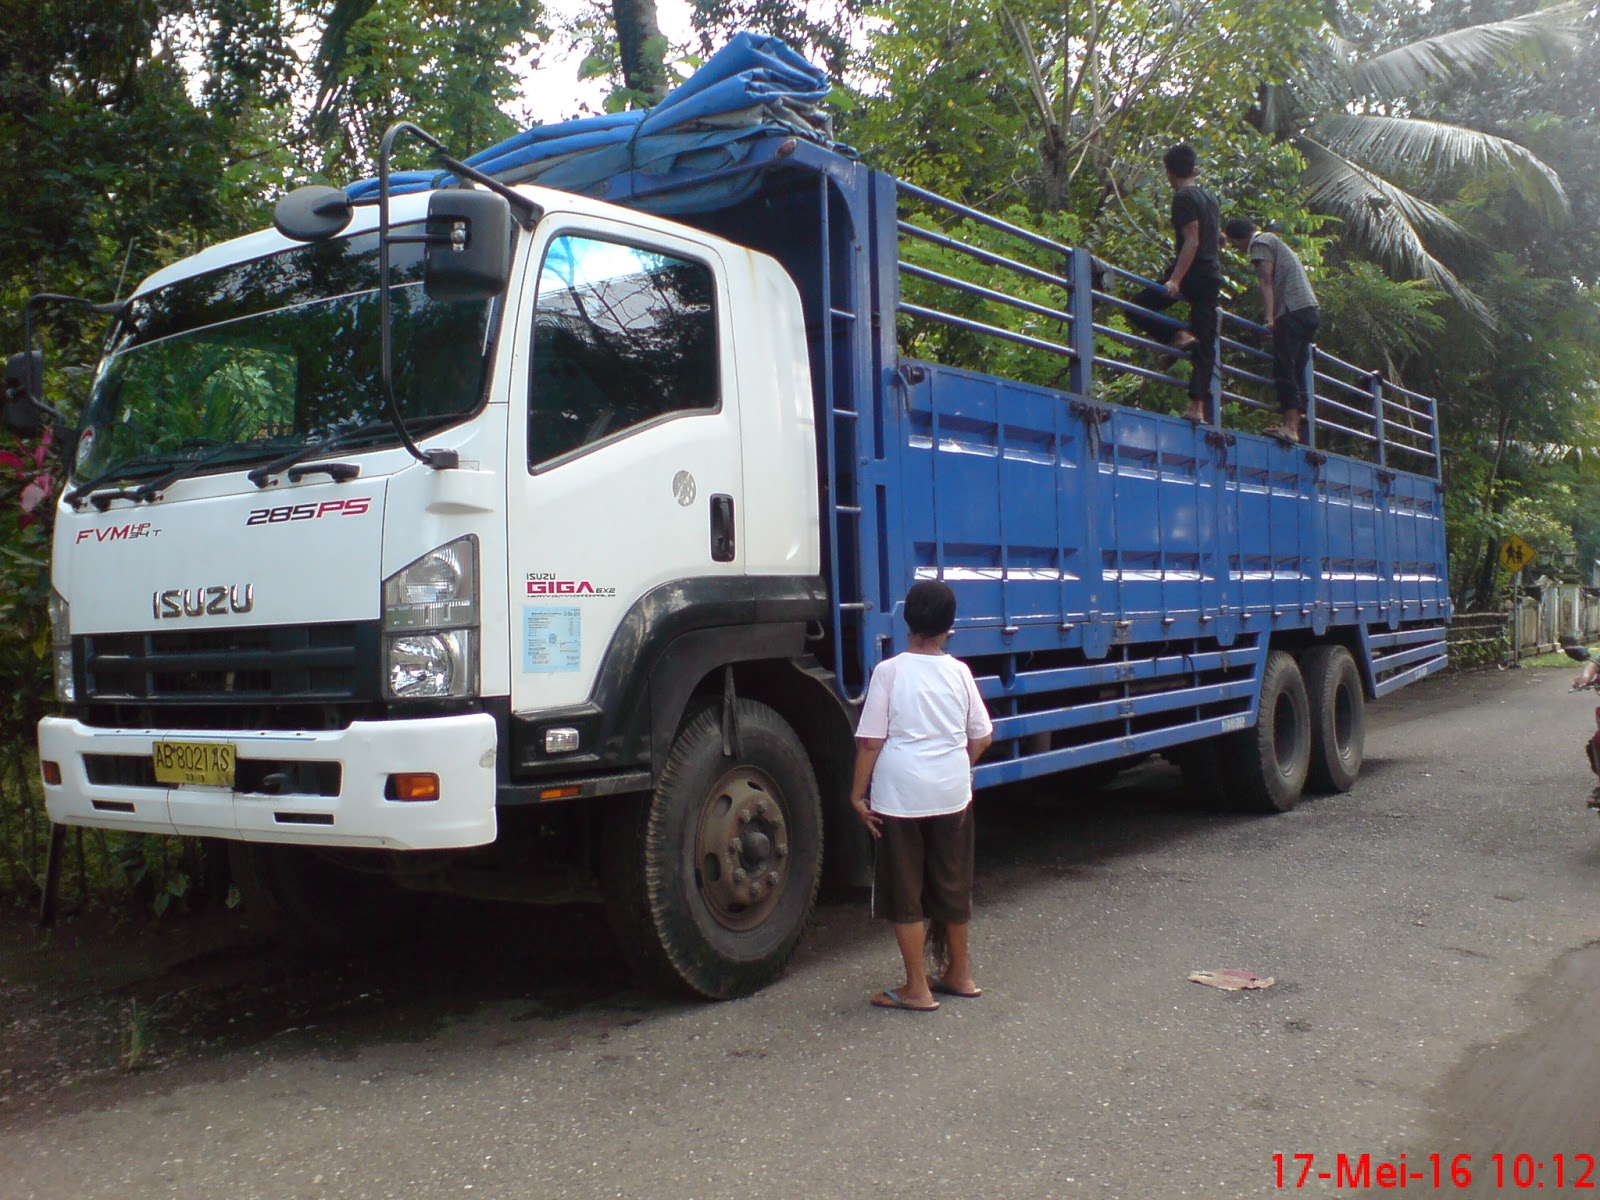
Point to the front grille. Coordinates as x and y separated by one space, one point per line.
267 776
264 665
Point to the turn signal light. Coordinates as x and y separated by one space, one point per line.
560 793
413 785
51 772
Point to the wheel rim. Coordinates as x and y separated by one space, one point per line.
741 849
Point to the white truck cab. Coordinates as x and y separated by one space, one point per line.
276 625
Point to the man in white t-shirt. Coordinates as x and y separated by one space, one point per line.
923 726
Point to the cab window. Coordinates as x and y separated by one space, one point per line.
623 337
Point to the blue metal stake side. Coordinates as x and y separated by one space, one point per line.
1121 573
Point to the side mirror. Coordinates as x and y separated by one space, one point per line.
312 214
468 254
21 411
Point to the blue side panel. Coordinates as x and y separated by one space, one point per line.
1350 517
1121 574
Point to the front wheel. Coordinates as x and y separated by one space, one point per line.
710 880
1267 765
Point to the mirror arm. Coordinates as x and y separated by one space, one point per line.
529 212
439 460
115 308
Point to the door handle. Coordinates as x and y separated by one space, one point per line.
722 542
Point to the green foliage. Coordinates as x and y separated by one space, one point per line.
445 65
1371 318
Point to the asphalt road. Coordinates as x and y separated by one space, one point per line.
1432 936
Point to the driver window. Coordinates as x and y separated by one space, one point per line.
622 337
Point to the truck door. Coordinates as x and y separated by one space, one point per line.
630 474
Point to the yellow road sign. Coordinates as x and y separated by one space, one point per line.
1516 553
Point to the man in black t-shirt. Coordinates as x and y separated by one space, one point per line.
1195 275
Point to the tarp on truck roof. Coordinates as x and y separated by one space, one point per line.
753 87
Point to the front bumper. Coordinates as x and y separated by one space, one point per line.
460 750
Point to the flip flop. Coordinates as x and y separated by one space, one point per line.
937 984
1284 436
893 999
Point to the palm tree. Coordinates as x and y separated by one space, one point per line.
1371 158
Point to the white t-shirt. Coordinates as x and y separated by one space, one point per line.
926 707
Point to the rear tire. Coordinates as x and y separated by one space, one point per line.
315 906
1338 718
710 880
1266 766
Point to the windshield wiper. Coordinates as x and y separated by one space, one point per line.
152 490
133 468
341 472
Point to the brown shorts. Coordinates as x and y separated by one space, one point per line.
923 869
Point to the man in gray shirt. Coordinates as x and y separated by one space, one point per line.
1292 317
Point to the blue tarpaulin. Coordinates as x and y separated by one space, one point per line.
752 87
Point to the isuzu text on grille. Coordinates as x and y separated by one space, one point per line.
202 602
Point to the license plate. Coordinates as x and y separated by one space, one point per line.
207 763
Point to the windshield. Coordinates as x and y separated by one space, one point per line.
274 353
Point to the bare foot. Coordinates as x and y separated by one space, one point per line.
1196 412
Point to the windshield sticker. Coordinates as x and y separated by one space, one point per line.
552 639
309 512
542 583
119 533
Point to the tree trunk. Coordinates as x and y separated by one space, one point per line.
1493 503
643 48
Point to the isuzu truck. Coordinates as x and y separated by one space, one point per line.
530 529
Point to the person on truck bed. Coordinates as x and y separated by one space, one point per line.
1195 275
1292 316
923 726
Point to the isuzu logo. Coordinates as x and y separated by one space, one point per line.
202 601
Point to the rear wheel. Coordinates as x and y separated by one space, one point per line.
1338 718
710 880
1266 766
323 903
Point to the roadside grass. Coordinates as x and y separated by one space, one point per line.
132 872
1556 659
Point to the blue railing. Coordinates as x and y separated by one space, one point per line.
1349 409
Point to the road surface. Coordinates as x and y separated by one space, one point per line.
1432 937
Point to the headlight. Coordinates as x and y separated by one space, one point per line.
433 664
430 618
438 591
61 648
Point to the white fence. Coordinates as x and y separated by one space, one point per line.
1536 623
1560 610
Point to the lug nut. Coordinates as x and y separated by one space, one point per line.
781 849
755 890
772 878
744 816
761 808
739 875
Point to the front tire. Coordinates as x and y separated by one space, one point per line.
710 880
1338 718
1268 764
